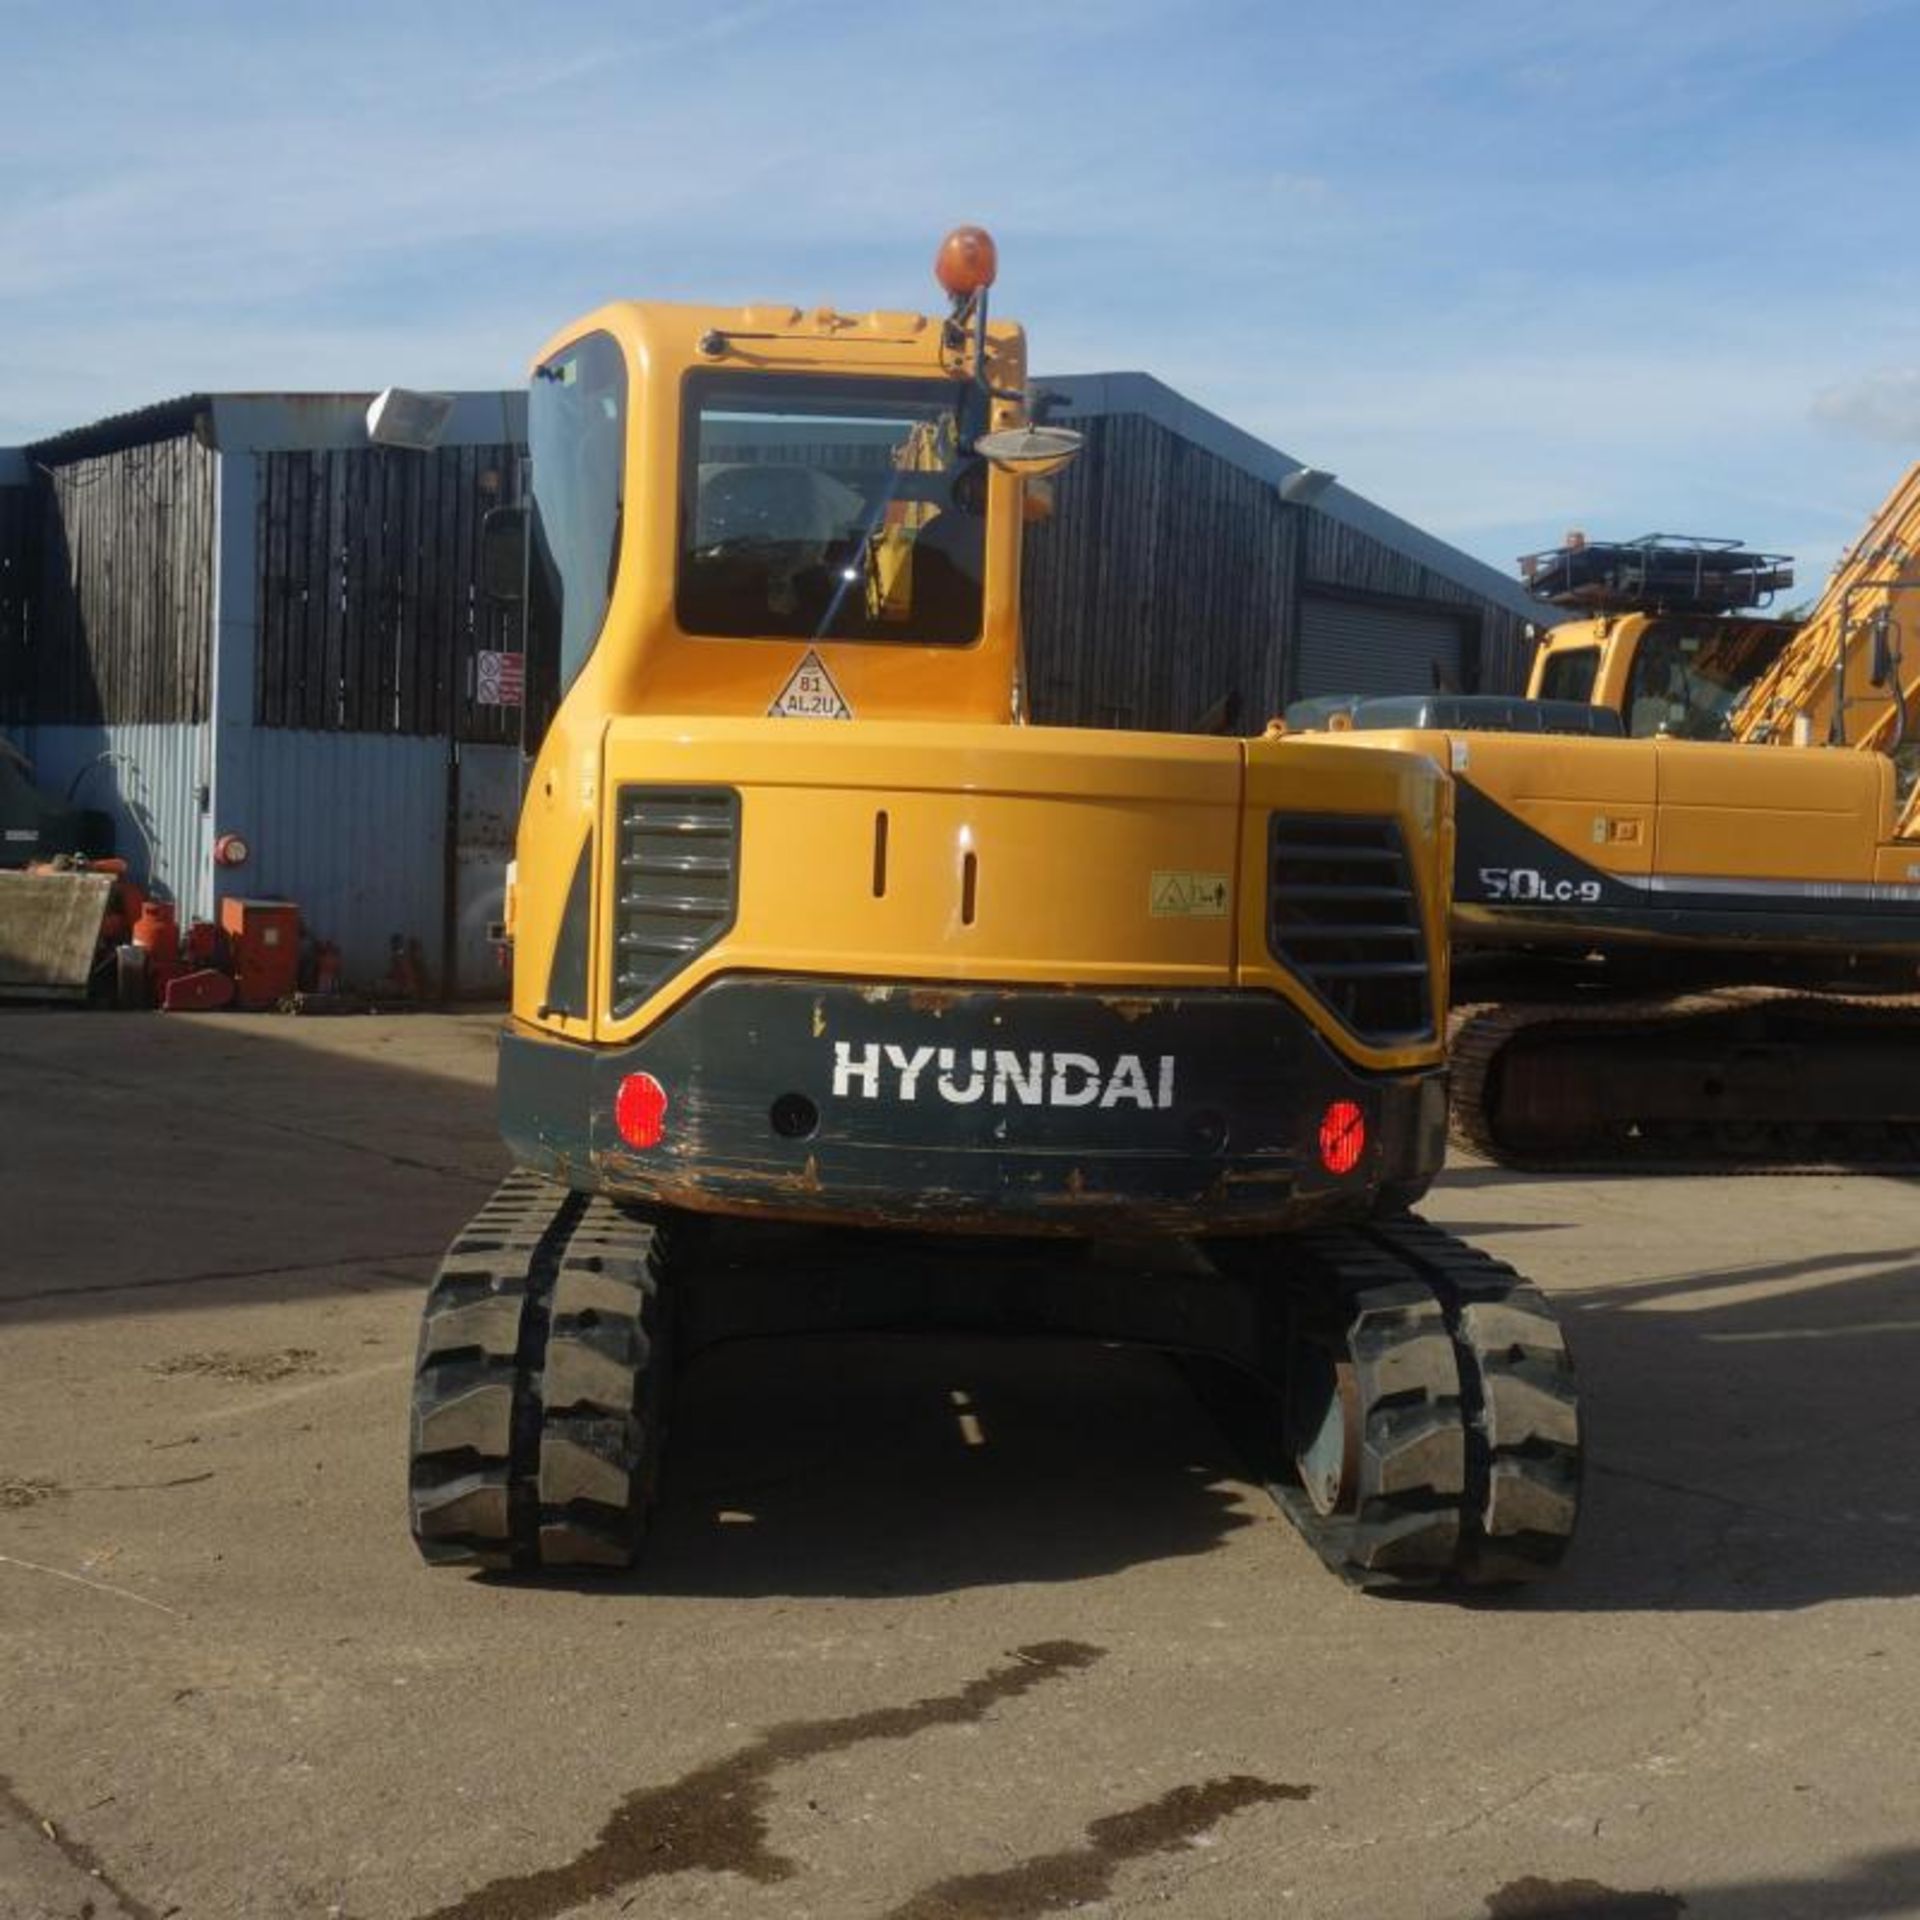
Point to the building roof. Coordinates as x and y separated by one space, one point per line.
258 422
1141 393
163 420
236 422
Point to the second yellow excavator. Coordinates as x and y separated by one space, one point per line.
1694 947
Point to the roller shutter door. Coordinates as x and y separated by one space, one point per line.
1347 646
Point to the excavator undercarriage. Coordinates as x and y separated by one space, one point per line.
1408 1400
1754 1079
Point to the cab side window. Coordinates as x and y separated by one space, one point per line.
1570 675
576 435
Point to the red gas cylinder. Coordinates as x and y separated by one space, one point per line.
157 934
158 930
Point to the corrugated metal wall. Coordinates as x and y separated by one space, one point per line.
1496 654
369 611
1362 646
488 818
151 777
1167 589
119 596
1158 594
353 826
15 550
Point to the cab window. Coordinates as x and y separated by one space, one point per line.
1569 674
829 508
1689 676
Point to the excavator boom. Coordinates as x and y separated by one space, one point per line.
1846 680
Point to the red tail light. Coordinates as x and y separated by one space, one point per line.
1343 1137
640 1110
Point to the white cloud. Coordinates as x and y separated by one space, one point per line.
1881 406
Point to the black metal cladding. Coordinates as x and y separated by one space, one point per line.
1344 916
677 883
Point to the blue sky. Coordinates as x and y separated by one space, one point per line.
1505 268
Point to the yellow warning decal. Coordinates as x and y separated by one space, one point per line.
1188 896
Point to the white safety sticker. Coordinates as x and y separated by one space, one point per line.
810 694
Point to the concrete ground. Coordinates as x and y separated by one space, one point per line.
887 1661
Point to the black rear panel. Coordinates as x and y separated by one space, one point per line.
1011 1108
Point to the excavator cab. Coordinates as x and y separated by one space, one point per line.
1661 634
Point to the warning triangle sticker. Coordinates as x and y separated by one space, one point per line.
810 694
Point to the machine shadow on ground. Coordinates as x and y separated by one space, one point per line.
1752 1434
263 1159
1752 1427
870 1465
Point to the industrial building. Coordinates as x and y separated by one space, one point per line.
1195 577
232 615
234 622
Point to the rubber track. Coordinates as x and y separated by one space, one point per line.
1479 1035
540 1384
1470 1462
1520 1405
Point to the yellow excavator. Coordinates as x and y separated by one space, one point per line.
1687 903
844 998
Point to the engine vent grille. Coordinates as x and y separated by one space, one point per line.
676 883
1344 917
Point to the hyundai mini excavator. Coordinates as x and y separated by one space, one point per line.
1703 940
811 931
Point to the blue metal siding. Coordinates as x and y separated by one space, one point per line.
488 820
352 827
149 775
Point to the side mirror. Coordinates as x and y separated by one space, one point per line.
1029 453
503 553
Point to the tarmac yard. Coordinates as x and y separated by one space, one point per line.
931 1630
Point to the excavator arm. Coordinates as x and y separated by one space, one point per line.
1846 679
